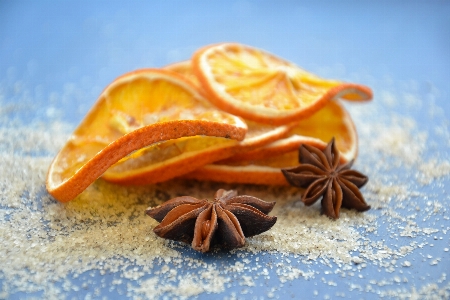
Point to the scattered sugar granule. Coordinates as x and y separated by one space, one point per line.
49 248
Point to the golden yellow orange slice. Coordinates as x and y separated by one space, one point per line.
136 110
258 86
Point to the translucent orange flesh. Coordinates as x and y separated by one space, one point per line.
253 77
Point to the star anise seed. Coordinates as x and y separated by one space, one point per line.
225 222
322 175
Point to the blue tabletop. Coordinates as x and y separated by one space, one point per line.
55 59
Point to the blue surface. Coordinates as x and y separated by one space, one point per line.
50 46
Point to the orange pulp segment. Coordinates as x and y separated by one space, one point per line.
136 110
258 86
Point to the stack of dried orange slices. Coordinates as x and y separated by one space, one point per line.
233 114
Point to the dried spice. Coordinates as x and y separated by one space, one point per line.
322 175
225 222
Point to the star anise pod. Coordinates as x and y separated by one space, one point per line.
322 175
225 222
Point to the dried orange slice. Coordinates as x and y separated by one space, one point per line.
262 165
258 134
138 109
261 87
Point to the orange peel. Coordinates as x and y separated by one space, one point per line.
249 174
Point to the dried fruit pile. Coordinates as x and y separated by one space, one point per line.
233 113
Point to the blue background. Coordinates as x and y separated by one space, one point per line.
54 46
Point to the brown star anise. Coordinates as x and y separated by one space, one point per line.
226 221
322 175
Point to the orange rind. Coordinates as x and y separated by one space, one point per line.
247 174
138 109
258 86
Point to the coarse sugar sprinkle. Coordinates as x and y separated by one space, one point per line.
53 250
